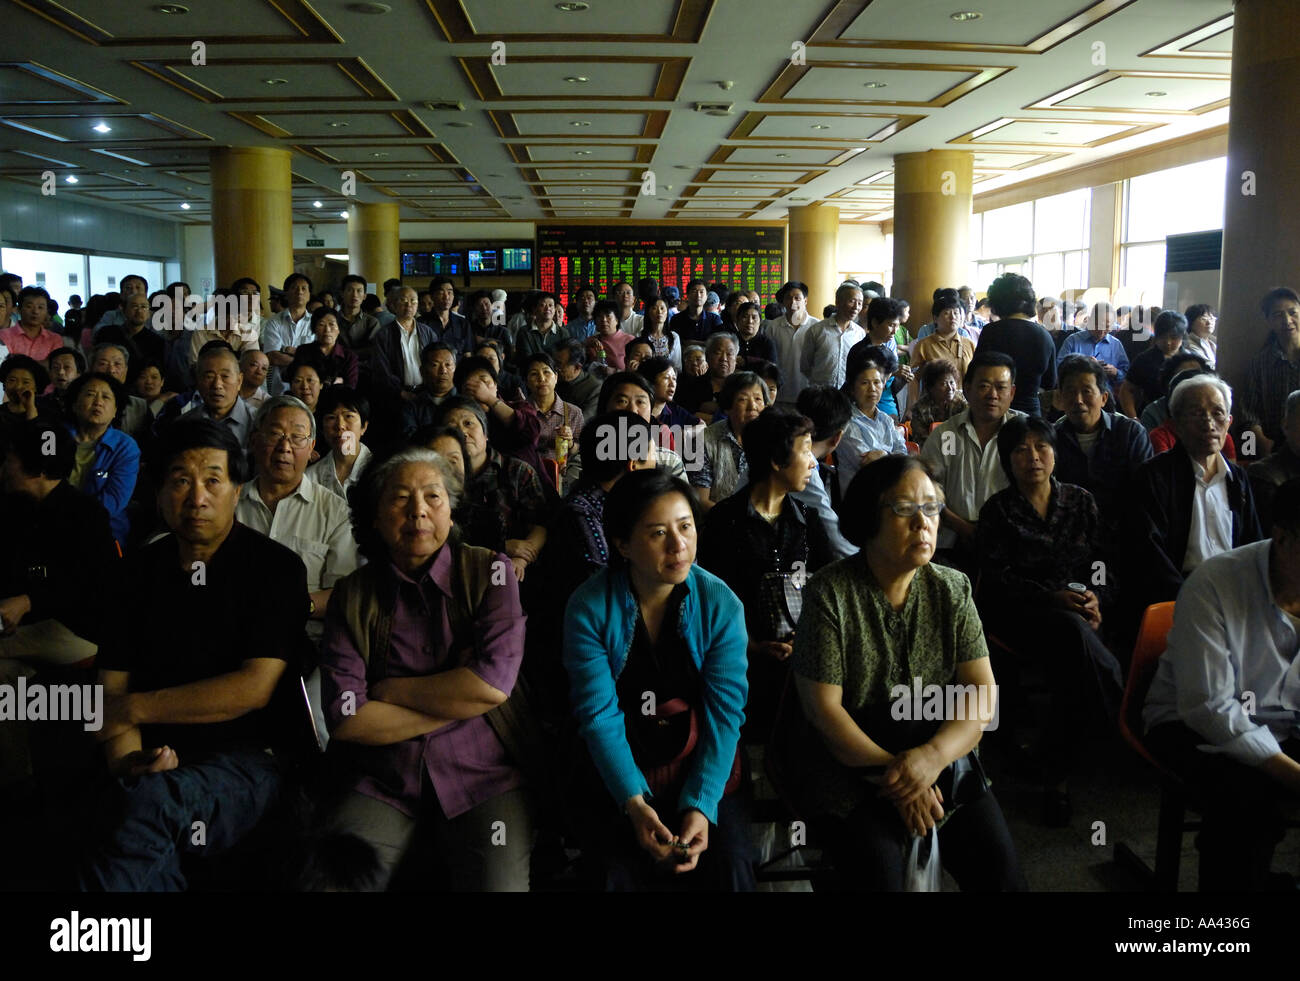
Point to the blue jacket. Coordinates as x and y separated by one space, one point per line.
111 478
599 625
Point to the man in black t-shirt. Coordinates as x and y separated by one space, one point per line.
214 617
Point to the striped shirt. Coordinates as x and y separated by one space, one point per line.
1270 378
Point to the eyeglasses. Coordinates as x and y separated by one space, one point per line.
296 440
908 509
1217 417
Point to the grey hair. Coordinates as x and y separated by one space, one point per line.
716 339
418 454
1204 380
1293 403
107 345
282 402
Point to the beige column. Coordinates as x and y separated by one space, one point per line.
252 216
1260 246
374 243
814 246
932 201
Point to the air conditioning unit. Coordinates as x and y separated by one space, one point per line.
715 108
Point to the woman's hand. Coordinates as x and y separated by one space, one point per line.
27 403
143 761
565 432
920 815
651 834
871 456
521 548
695 836
1085 604
905 373
912 772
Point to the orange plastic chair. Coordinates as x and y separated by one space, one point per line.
1151 642
913 449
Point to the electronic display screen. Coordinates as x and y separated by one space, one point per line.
517 260
744 258
432 263
483 261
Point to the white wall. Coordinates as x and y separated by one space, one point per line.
861 249
198 268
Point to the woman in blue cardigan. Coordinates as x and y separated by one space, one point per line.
108 460
655 652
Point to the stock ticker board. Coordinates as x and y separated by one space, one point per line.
570 256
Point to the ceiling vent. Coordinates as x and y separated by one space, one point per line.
715 108
445 106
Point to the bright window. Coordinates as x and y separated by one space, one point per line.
1169 202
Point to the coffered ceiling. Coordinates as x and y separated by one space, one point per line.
591 109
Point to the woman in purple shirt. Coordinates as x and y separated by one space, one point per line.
421 652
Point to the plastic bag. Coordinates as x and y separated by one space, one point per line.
924 873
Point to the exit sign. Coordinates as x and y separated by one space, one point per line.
315 243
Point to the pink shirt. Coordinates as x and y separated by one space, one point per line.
614 345
39 348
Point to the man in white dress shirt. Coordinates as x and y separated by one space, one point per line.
826 348
1224 708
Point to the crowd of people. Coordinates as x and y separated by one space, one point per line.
545 575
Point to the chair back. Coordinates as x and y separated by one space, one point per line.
1156 621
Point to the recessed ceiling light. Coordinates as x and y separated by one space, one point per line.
962 16
369 8
582 153
1157 94
275 81
343 214
586 202
102 128
875 85
171 8
586 190
378 155
70 179
579 122
820 126
337 124
573 7
185 206
584 174
783 154
1052 132
577 79
315 204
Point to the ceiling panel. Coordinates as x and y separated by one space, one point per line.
809 126
780 156
502 17
31 84
849 84
524 78
1121 91
1054 132
1002 22
79 128
579 124
609 153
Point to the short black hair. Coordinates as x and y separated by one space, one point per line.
599 465
1081 364
340 396
829 409
308 356
733 384
353 278
121 398
652 368
632 496
472 300
438 282
1198 310
864 500
200 434
634 342
603 307
537 357
467 367
882 309
42 450
78 358
432 348
617 380
945 300
990 359
21 362
1013 433
770 439
575 349
247 281
294 277
768 371
320 313
1010 294
863 356
937 368
427 433
1170 322
29 291
1265 305
1167 371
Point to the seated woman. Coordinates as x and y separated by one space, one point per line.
344 418
512 425
306 377
770 372
871 432
507 381
24 379
149 386
506 505
947 340
653 630
700 394
654 328
722 468
611 340
694 361
941 397
876 626
755 347
1037 541
1201 319
629 390
340 363
764 544
449 443
107 459
662 377
409 698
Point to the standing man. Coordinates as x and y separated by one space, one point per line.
788 333
826 349
694 323
291 327
449 327
356 327
1273 373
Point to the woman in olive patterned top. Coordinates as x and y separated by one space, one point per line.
885 638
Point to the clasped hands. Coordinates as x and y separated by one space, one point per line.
910 784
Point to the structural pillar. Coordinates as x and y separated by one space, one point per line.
1260 246
814 252
374 243
932 202
252 216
